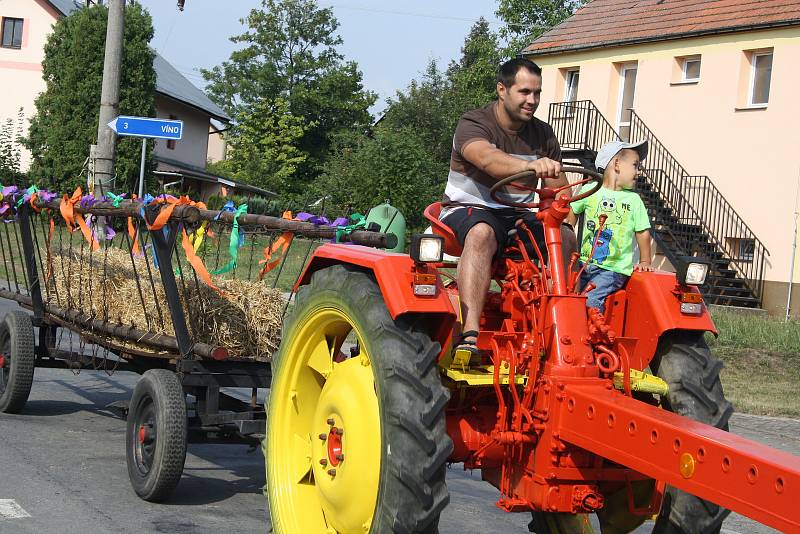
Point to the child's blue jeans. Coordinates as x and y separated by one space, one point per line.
605 281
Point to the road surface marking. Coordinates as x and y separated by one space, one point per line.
9 509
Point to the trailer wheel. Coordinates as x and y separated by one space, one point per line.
156 435
356 438
17 359
684 360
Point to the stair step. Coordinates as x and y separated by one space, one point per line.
730 291
713 298
724 281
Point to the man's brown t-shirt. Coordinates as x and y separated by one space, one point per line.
468 184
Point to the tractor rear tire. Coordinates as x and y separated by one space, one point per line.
156 435
685 362
18 359
358 443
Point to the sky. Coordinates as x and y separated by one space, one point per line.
392 42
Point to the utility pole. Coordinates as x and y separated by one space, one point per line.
105 151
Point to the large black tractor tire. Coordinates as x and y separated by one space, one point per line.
156 435
685 362
386 396
18 358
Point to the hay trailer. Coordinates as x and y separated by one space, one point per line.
192 299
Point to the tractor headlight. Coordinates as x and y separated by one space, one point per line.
692 271
427 248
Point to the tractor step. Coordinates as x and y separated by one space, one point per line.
480 375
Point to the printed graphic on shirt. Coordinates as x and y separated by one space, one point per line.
611 219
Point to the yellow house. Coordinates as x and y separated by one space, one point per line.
712 85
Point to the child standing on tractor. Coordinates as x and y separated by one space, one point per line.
613 216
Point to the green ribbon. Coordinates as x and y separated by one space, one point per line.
31 190
233 248
115 199
360 222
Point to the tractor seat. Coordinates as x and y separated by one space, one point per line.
451 244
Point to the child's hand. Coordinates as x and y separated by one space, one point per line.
644 267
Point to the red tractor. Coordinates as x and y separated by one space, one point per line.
567 412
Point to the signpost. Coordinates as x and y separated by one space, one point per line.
146 128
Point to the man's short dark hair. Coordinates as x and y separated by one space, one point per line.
507 72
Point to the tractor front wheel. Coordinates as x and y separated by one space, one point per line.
685 362
356 438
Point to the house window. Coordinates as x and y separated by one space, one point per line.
742 248
171 142
760 76
691 69
12 33
571 85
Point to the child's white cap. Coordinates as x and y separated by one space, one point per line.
609 150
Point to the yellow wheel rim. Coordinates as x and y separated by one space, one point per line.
324 433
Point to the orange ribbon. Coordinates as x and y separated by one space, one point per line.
132 233
162 218
281 244
67 209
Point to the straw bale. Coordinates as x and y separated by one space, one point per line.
246 319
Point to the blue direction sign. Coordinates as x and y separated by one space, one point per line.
146 127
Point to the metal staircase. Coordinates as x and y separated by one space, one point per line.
688 214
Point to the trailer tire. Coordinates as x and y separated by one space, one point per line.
685 362
17 349
156 435
387 396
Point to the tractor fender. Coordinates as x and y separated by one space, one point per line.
394 274
653 307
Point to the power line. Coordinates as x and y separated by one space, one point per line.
409 13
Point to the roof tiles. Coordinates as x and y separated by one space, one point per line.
603 23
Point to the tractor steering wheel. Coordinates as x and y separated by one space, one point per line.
545 191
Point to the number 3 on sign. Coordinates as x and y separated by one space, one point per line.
125 125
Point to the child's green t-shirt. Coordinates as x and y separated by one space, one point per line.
626 215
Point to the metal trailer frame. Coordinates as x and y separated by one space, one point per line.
202 369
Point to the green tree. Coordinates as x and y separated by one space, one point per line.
263 143
525 20
67 111
290 52
474 76
10 153
393 165
425 108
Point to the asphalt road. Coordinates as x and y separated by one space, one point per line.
63 470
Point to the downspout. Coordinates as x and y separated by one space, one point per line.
794 251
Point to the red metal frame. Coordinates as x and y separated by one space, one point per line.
565 438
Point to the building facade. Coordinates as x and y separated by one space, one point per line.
714 82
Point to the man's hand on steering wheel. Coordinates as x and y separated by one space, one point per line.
544 167
552 193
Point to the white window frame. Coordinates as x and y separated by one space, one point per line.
622 71
569 75
684 68
750 91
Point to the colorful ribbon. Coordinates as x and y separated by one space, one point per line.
236 241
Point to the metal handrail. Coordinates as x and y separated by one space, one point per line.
580 125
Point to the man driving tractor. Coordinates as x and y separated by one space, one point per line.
491 143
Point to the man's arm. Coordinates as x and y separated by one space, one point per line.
498 164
